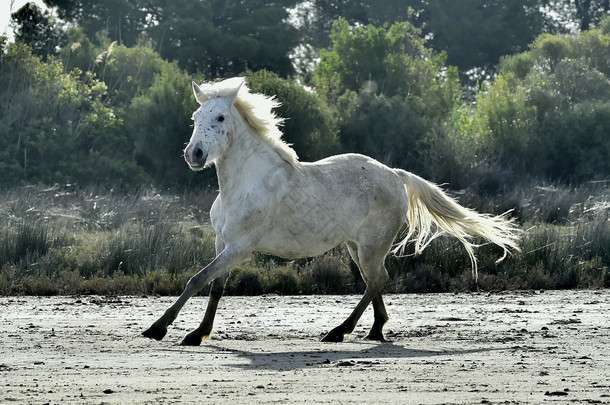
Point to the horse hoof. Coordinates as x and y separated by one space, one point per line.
333 336
191 340
378 337
155 332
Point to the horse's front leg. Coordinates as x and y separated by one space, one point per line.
220 266
205 328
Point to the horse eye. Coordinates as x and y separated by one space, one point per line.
220 118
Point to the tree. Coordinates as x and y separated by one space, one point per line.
122 21
368 12
473 33
37 29
547 113
477 33
225 38
390 91
158 122
127 71
56 127
589 11
217 38
385 58
153 99
564 16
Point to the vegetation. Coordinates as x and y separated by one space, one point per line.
512 116
549 107
63 240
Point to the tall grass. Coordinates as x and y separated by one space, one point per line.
64 240
60 240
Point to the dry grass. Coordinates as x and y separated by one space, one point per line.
63 240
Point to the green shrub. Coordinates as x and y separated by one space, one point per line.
91 242
327 274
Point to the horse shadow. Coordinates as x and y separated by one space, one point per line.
333 355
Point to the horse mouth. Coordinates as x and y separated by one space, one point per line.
195 166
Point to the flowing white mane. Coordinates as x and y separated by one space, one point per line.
257 111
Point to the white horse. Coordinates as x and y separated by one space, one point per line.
270 202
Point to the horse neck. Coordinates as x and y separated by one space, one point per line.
248 161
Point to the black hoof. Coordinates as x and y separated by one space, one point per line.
155 332
191 340
377 336
335 335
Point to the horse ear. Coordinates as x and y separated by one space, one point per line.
199 94
230 88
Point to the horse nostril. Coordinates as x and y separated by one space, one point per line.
198 154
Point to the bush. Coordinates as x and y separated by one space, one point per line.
70 241
547 112
327 274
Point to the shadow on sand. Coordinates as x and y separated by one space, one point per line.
365 354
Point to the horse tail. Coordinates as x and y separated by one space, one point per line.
432 213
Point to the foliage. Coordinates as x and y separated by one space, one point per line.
158 126
570 15
547 112
127 72
218 38
476 34
385 58
122 21
37 29
66 240
389 89
56 127
380 90
142 240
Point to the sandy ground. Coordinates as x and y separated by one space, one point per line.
470 348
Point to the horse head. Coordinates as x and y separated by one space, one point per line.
213 122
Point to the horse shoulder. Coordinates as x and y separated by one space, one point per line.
244 214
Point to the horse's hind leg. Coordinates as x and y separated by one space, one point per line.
347 327
375 276
205 328
379 311
381 317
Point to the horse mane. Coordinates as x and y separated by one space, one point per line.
257 111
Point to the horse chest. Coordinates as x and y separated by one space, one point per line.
240 214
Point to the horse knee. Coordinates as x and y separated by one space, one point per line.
196 283
384 277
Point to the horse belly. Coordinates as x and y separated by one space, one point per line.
310 231
296 243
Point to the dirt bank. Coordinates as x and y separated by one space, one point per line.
468 348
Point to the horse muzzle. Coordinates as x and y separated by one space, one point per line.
195 156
